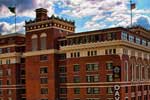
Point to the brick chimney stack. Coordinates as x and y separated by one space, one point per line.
41 14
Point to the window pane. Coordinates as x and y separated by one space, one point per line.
34 44
43 43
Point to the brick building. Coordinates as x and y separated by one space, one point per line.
12 67
108 64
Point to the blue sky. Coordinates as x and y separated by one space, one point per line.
88 14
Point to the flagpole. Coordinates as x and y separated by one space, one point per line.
15 18
15 22
131 11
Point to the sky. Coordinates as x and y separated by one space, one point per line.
87 14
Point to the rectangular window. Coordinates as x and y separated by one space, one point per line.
76 79
22 91
92 53
92 38
44 80
23 60
92 67
8 61
62 69
110 90
9 92
7 50
109 78
23 81
44 70
1 91
62 56
144 42
43 43
76 90
109 65
1 82
63 90
93 90
71 55
131 38
8 82
111 36
124 36
78 54
133 89
114 51
22 71
1 72
44 90
43 57
1 62
126 89
34 44
63 79
8 72
76 68
92 78
138 41
145 87
145 97
148 44
139 88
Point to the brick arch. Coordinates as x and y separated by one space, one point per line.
34 36
43 35
132 67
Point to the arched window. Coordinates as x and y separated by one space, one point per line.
126 70
34 42
132 71
140 72
43 41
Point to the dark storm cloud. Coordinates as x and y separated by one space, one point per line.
20 4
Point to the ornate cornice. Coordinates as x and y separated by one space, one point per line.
106 44
44 28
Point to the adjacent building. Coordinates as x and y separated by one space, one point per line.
59 64
12 67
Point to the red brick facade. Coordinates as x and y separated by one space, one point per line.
12 67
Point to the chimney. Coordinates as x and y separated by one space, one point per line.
41 14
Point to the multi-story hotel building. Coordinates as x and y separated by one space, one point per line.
107 64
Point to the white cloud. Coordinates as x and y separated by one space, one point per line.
26 8
7 28
92 25
23 9
101 13
4 12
